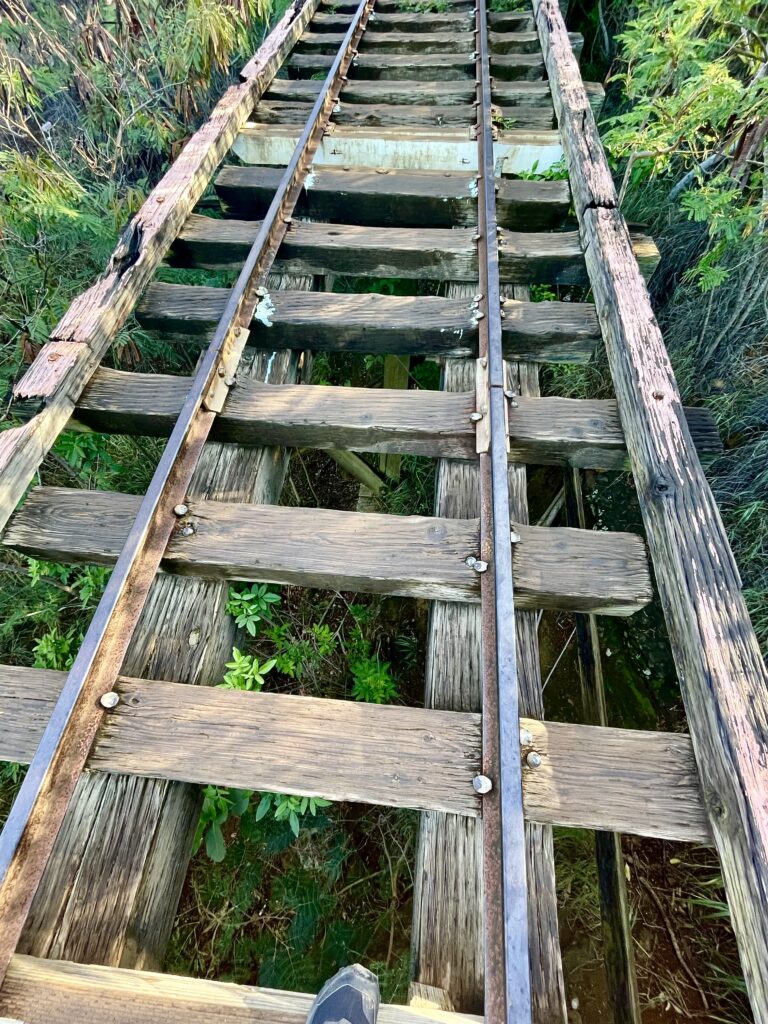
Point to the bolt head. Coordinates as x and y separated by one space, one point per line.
479 566
533 759
482 784
514 537
187 531
109 700
181 510
526 739
475 417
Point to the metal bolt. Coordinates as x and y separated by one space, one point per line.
482 784
181 510
476 238
526 739
261 291
478 297
470 560
221 371
479 566
514 537
484 362
475 417
498 230
533 759
109 700
465 160
479 315
337 109
187 531
231 381
508 393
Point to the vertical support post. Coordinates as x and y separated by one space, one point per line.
617 932
396 374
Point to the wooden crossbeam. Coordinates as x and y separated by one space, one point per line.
444 66
451 93
415 556
376 43
404 21
643 783
360 195
39 991
394 325
525 257
433 42
401 148
404 115
543 431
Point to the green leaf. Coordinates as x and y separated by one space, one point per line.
294 822
264 805
214 844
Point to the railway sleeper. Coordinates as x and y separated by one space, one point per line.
380 324
590 777
408 556
542 431
525 257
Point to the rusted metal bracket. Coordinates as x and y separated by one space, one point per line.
482 417
217 393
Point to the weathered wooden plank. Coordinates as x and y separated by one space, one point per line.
41 991
401 21
591 178
409 198
380 43
403 115
445 66
425 42
644 783
416 556
415 21
393 325
451 93
340 750
435 149
525 257
618 952
400 7
543 431
723 680
78 343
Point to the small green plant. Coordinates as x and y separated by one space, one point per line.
219 804
246 672
289 808
295 656
543 293
505 123
557 172
371 677
424 6
252 606
504 6
55 649
372 681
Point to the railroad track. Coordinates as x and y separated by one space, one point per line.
394 146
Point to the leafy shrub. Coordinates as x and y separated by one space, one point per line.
252 606
246 672
289 808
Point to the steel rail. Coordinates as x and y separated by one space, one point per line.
38 811
507 976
